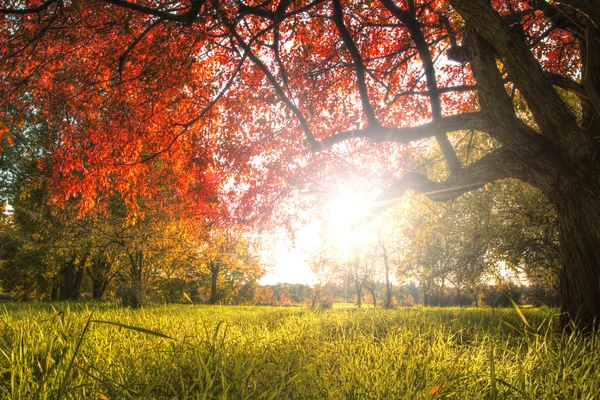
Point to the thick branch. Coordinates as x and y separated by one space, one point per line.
411 23
567 84
24 11
451 123
497 107
493 98
188 16
552 115
565 16
500 164
338 19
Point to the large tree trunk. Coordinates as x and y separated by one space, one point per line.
67 274
564 160
579 227
98 289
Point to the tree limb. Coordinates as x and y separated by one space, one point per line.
451 123
338 19
188 16
551 114
499 164
411 23
24 11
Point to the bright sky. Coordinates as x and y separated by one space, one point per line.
341 216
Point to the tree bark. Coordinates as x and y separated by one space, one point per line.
99 273
579 229
441 296
214 276
426 293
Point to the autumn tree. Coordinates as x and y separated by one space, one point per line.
231 260
222 89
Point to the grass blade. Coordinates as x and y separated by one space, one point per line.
134 328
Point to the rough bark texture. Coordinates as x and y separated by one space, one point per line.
579 228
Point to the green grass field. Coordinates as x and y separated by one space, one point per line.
62 351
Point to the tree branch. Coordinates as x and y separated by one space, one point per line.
499 164
132 45
451 123
552 115
188 16
273 81
24 11
338 19
411 23
566 83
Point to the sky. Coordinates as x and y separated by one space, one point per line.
290 259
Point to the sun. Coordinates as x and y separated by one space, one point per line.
345 219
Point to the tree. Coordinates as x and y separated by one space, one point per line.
373 273
388 248
230 258
184 81
356 265
324 264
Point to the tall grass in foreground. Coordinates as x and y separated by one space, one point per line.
176 352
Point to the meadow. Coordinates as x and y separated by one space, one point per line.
101 351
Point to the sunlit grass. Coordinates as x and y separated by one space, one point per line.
290 353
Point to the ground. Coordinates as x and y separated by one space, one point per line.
215 352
